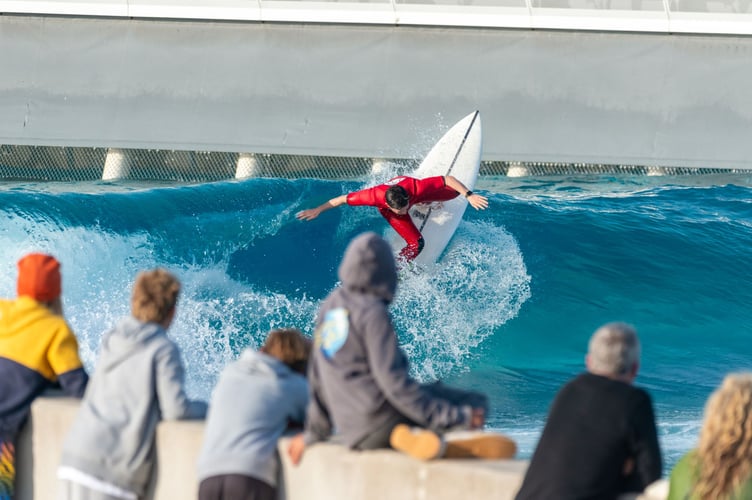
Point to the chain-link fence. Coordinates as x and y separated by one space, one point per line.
47 163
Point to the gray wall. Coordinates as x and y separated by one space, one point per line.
326 472
376 91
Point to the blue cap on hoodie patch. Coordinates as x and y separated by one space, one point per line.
332 333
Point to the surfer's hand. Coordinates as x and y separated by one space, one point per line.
309 214
295 449
478 201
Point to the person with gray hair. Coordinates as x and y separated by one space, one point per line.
600 439
614 351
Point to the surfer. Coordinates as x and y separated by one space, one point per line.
395 197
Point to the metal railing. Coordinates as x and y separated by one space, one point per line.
73 164
657 16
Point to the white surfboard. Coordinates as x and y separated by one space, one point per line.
457 153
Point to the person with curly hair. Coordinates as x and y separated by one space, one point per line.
720 468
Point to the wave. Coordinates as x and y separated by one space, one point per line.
508 309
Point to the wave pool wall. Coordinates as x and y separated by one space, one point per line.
370 91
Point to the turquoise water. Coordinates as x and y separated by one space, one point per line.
508 311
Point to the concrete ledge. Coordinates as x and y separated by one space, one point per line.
330 472
178 446
327 471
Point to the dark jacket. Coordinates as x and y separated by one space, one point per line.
594 426
359 377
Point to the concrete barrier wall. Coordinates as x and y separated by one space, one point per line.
330 472
178 445
327 472
375 91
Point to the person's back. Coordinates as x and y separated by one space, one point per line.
37 351
258 397
720 468
358 369
600 439
138 380
360 382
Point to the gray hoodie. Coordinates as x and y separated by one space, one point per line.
255 400
358 374
138 380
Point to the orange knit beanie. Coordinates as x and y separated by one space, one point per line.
39 277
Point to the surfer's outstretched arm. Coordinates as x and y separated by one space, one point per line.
312 213
477 201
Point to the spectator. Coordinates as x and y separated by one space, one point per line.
109 451
720 468
257 398
360 382
37 351
600 439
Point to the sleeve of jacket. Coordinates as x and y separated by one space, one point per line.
169 375
389 366
318 426
680 479
648 463
299 397
65 362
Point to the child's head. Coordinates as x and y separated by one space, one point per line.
39 277
289 346
155 294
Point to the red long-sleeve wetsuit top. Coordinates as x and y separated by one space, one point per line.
425 190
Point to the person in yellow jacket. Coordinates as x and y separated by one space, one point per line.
37 351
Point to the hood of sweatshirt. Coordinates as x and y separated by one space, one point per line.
368 267
254 362
127 338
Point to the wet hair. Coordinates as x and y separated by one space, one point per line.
289 346
724 452
155 294
397 197
614 349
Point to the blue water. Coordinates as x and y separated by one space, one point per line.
508 311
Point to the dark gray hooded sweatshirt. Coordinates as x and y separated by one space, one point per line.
358 375
138 380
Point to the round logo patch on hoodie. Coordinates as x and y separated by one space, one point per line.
332 333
